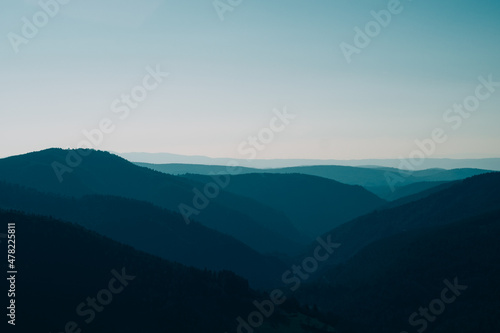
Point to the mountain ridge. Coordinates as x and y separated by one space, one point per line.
107 174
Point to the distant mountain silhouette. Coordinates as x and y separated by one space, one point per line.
150 229
182 169
428 163
71 277
374 179
106 174
314 204
385 283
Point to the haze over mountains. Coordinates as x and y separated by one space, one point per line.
344 258
428 163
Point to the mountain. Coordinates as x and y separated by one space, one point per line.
439 279
464 199
428 163
72 280
270 217
150 229
435 248
199 169
106 174
314 204
387 183
381 181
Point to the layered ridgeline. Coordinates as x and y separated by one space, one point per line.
314 204
429 163
70 280
67 172
387 183
150 229
464 199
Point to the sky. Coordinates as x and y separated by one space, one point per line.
234 65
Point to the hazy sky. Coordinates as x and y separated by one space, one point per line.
227 76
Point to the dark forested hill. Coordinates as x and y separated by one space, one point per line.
466 198
151 229
106 174
436 279
70 279
314 204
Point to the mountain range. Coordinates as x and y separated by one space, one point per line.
106 174
428 244
387 183
428 163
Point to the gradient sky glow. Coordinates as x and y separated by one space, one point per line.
227 76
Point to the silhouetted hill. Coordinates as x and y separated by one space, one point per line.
378 180
70 278
199 169
271 217
464 199
388 281
151 229
107 174
314 204
375 179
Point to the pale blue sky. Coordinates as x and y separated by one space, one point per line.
227 76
